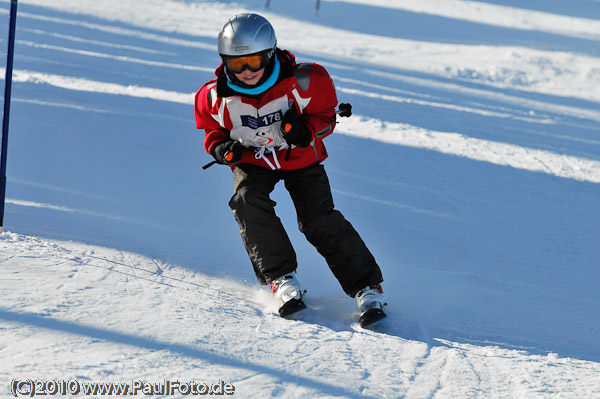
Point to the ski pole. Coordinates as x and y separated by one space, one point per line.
228 158
208 165
345 110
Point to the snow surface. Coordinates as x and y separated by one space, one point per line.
471 167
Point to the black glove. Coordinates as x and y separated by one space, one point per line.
294 131
228 153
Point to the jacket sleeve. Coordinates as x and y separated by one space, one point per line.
206 105
319 114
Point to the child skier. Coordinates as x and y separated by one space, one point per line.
266 116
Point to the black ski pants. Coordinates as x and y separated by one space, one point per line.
267 242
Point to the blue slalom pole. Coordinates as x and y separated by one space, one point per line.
12 22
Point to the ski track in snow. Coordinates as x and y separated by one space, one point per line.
492 14
126 317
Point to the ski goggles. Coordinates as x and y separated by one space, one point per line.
254 62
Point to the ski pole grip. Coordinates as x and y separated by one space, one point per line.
228 158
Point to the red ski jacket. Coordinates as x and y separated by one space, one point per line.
254 120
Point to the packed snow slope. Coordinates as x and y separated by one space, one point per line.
471 167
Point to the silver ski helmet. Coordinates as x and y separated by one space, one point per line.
245 35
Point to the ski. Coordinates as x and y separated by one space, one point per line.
371 316
291 306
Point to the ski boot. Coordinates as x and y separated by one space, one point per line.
370 303
287 289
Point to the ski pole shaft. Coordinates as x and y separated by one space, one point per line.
228 158
208 165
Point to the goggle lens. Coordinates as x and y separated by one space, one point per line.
253 62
